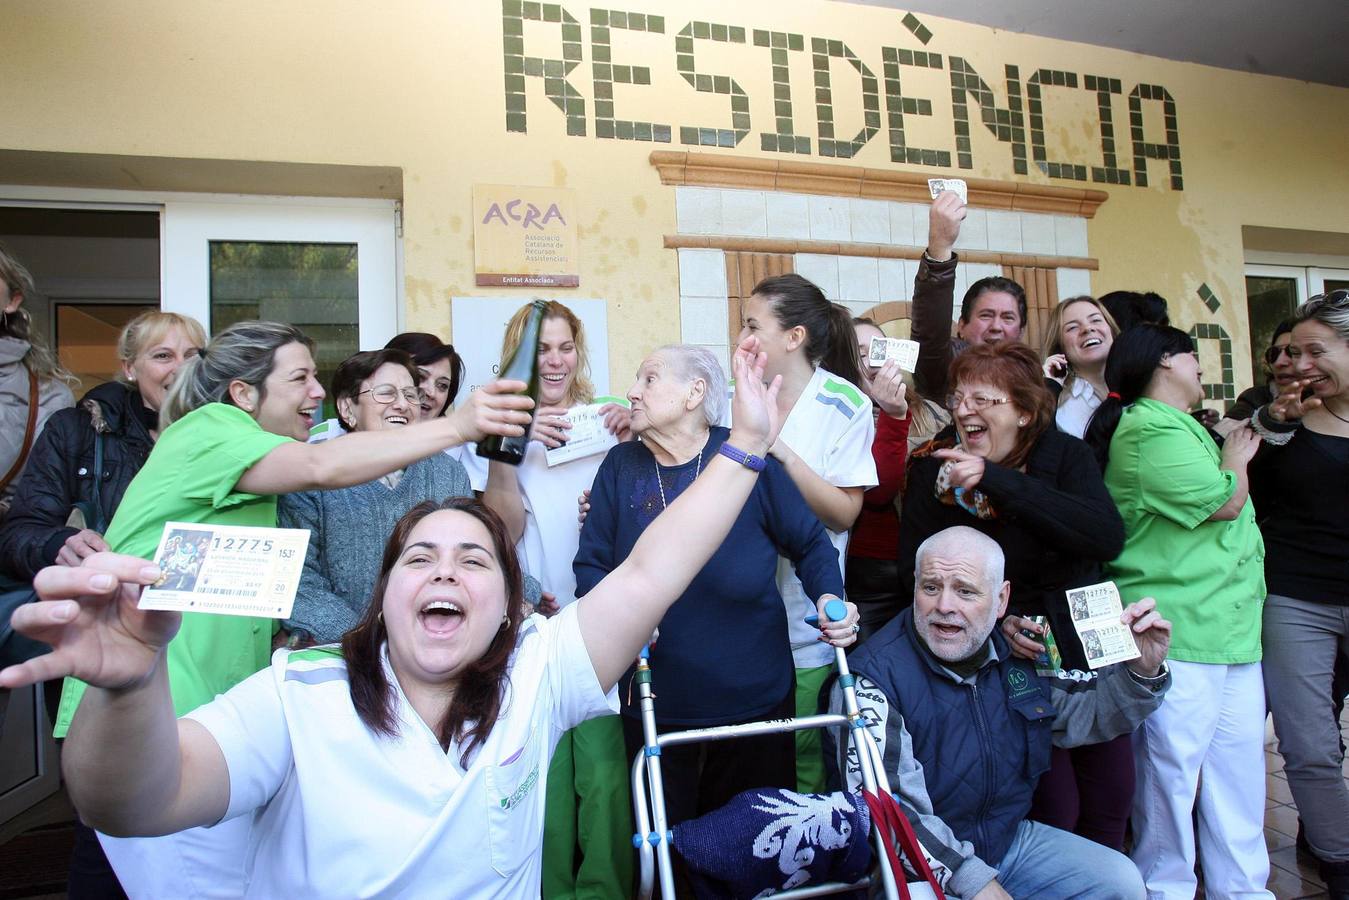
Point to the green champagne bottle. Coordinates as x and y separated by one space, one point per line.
522 366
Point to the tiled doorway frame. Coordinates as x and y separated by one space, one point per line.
856 232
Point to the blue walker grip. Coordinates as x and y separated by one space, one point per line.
835 609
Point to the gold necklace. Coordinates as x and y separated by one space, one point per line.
661 485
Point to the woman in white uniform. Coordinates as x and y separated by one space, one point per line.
408 762
825 446
589 802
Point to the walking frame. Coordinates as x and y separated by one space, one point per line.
648 790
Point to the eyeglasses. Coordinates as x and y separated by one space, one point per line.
1273 353
978 402
387 393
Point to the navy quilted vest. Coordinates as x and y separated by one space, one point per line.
983 746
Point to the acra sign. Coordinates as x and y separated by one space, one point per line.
523 213
1017 119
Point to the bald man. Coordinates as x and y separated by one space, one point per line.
965 728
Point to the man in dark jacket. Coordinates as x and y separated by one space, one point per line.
993 309
965 728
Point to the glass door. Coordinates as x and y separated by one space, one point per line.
329 267
1272 293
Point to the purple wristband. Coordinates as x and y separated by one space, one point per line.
748 460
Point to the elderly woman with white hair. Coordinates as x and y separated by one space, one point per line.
723 654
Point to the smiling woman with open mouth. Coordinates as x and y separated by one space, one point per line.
234 425
424 740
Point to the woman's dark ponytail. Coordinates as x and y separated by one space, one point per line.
831 340
1133 361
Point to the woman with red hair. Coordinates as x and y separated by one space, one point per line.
1004 469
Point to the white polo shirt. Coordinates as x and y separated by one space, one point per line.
339 811
552 535
831 428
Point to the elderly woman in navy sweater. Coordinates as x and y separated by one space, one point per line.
723 654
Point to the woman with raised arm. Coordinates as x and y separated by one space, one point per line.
234 427
1191 538
739 669
424 741
825 446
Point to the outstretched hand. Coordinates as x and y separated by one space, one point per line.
88 614
1152 633
755 418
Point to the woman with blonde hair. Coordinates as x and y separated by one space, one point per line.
33 384
1078 339
87 456
588 800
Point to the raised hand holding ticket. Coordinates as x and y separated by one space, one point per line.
887 348
955 185
1095 611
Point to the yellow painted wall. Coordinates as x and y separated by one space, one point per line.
417 84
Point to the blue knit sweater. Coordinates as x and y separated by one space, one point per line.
347 532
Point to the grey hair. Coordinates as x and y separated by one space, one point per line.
962 540
692 362
245 351
1334 316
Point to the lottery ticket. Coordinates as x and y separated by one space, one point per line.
937 185
884 348
227 570
1095 611
587 435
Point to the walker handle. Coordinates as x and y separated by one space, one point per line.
834 609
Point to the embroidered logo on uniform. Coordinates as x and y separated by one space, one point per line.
522 791
1019 683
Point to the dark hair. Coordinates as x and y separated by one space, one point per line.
425 348
482 686
830 339
1129 368
1131 308
358 367
1014 368
993 284
1284 327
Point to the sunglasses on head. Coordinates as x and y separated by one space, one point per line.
1332 298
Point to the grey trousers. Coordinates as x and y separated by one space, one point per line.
1301 642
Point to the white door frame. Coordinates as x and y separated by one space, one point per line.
1297 273
189 227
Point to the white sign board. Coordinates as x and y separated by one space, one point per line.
479 323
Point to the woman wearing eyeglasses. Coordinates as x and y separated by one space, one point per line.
1300 487
1006 470
373 391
